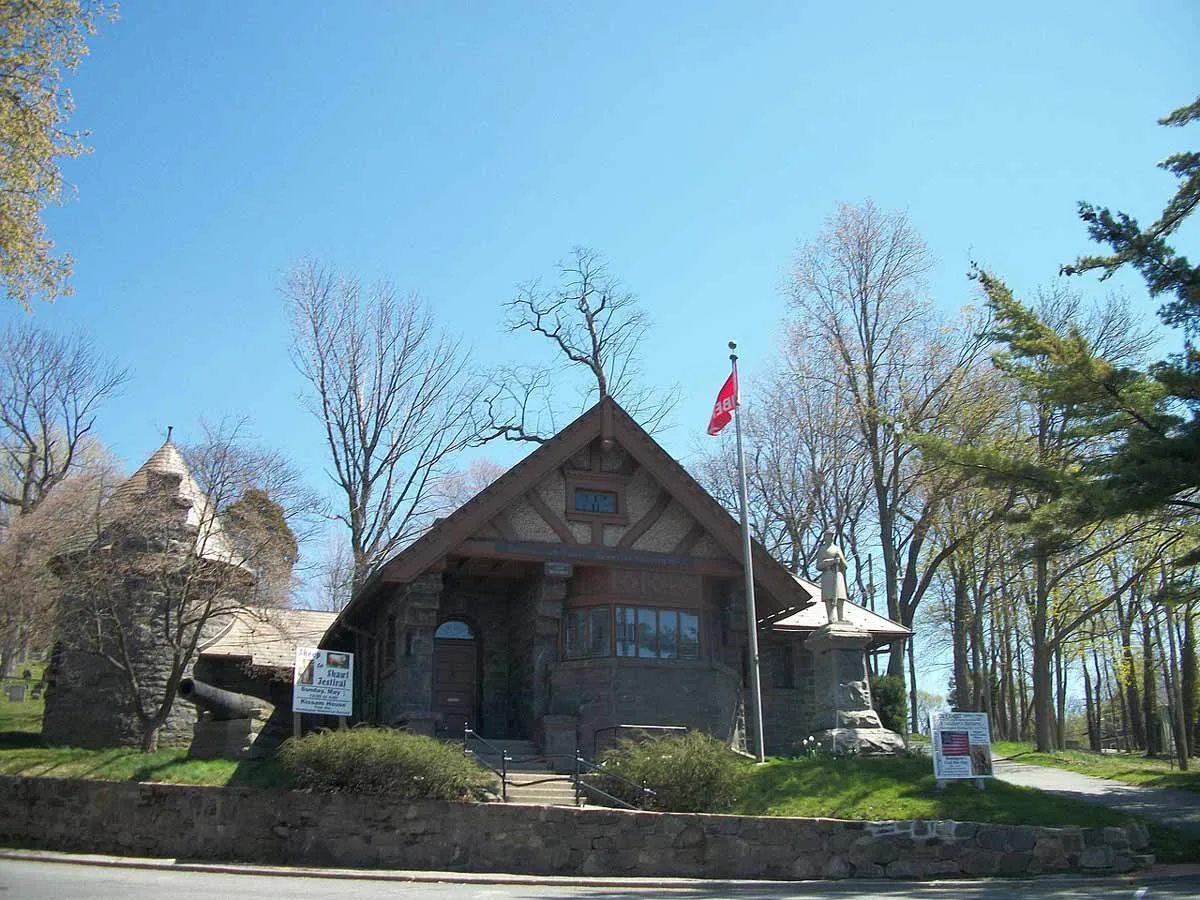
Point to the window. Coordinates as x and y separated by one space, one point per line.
455 629
626 631
586 632
596 497
648 632
779 661
589 501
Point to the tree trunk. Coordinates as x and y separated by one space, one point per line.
1060 685
912 691
1011 674
1097 744
1043 687
1150 691
1173 691
1116 691
9 646
1187 676
1129 680
962 678
1023 689
150 732
1091 710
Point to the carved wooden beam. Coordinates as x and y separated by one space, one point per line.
561 528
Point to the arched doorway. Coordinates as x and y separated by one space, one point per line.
455 675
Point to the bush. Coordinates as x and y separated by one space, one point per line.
382 762
691 772
891 702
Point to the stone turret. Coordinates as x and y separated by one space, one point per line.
156 556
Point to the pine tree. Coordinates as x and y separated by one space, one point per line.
1158 462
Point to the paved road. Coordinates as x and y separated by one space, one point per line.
34 880
1176 809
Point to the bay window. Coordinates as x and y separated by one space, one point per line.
648 632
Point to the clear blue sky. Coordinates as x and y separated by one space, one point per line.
463 148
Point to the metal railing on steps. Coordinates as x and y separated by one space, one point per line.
584 778
585 768
470 735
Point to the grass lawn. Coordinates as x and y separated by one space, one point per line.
882 789
1126 767
878 789
22 753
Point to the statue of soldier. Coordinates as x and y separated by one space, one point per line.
832 565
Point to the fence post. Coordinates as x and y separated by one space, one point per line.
504 775
578 792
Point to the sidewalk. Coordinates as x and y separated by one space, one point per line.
1175 809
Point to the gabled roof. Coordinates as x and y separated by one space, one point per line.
606 419
269 636
812 617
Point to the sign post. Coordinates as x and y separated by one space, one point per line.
322 683
962 746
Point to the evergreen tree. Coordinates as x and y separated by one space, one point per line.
1158 462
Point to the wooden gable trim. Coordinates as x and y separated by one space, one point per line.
484 506
644 524
503 526
550 517
705 511
690 540
554 454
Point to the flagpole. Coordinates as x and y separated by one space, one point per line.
751 615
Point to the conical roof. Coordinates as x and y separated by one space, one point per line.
168 463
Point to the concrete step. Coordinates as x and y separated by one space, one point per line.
552 793
522 755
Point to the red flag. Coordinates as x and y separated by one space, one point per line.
727 402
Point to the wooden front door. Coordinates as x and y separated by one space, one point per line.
454 683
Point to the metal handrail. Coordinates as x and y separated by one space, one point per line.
646 794
468 734
616 729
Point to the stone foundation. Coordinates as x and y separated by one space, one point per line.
293 828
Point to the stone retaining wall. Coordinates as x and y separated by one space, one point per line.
288 827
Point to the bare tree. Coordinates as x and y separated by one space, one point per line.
393 395
334 580
866 334
267 507
806 478
592 323
51 388
158 573
28 590
459 485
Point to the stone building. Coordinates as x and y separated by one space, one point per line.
155 581
594 585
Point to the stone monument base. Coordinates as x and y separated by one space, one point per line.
860 741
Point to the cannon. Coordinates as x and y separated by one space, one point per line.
222 706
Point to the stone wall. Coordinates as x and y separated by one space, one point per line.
296 828
612 691
787 692
404 683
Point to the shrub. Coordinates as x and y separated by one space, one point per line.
887 692
382 762
691 772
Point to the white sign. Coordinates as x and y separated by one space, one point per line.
323 682
962 745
